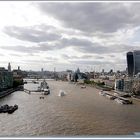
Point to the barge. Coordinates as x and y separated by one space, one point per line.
117 98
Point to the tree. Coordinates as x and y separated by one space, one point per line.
136 87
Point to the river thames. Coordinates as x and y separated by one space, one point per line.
82 112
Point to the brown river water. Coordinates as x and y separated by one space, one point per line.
82 112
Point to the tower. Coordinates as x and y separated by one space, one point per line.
18 67
133 62
9 67
42 73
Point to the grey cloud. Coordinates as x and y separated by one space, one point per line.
32 54
1 54
91 57
112 55
63 43
31 50
14 54
90 62
86 56
79 45
84 46
120 61
99 49
65 56
76 42
96 48
23 54
40 33
99 57
51 58
22 49
48 47
76 57
37 61
4 62
92 17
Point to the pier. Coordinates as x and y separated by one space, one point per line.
42 88
29 91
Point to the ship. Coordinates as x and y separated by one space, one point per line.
44 87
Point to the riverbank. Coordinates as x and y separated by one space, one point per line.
9 91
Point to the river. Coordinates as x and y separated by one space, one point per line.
82 112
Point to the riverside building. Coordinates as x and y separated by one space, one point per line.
6 79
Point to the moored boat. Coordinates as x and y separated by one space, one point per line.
102 93
119 101
8 109
46 91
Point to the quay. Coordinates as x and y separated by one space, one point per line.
9 91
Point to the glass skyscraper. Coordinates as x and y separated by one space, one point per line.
133 62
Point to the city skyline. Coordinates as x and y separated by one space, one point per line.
91 36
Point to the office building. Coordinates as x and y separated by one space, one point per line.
133 62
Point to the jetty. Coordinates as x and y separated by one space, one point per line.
42 88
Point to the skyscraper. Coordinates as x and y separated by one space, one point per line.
133 62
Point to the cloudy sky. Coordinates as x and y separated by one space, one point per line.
91 36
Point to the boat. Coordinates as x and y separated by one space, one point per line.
46 91
8 109
35 82
61 93
116 94
119 101
126 101
102 93
12 109
44 87
39 88
111 97
126 95
41 97
25 82
83 86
